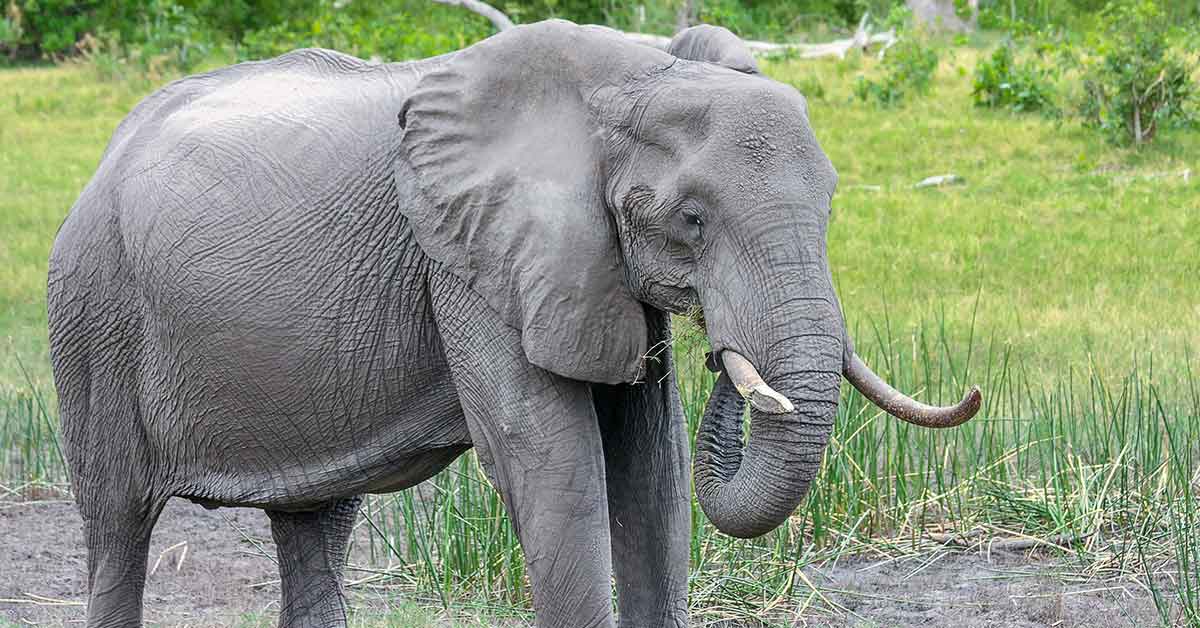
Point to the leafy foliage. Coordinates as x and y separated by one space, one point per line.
1023 15
1003 83
403 30
1134 82
908 67
55 28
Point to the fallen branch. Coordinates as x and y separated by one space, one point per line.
1060 541
976 538
40 600
862 39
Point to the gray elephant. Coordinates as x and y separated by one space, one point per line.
296 281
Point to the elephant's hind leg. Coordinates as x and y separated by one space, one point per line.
118 540
312 554
118 487
118 497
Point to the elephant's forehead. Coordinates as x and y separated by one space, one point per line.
765 135
769 155
741 136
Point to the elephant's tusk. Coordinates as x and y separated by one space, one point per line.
751 385
906 408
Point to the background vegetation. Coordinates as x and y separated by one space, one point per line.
1060 275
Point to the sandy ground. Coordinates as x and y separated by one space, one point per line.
224 576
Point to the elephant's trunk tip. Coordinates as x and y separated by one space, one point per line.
906 408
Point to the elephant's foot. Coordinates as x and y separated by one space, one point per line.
312 553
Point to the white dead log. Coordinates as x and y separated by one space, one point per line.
940 180
863 37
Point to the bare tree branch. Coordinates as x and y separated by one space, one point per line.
496 16
943 15
687 14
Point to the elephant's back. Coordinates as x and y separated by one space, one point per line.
253 203
288 111
257 164
274 291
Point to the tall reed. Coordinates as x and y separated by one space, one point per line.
1105 465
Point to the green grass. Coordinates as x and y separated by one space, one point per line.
1063 247
54 124
1062 278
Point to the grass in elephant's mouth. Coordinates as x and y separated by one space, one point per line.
1066 269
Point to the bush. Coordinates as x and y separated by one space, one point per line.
148 32
1024 16
908 67
53 28
1002 83
1134 83
404 30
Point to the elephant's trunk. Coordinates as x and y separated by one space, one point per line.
747 492
778 336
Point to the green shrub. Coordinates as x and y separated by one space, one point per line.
54 28
908 67
10 30
811 87
1134 83
404 30
1003 83
49 27
148 33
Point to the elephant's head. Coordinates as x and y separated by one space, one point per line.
571 178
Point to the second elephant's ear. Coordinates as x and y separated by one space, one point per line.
713 44
500 174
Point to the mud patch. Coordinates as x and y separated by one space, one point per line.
977 590
213 570
208 573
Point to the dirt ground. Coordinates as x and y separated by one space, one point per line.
224 577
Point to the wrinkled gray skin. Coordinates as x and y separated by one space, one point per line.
296 281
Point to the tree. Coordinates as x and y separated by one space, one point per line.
960 16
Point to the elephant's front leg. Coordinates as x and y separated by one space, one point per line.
646 458
537 438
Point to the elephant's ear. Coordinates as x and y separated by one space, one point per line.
713 44
500 173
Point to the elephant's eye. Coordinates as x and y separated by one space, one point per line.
687 227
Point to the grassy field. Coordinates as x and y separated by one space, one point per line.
1062 277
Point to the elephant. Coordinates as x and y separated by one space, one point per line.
297 281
